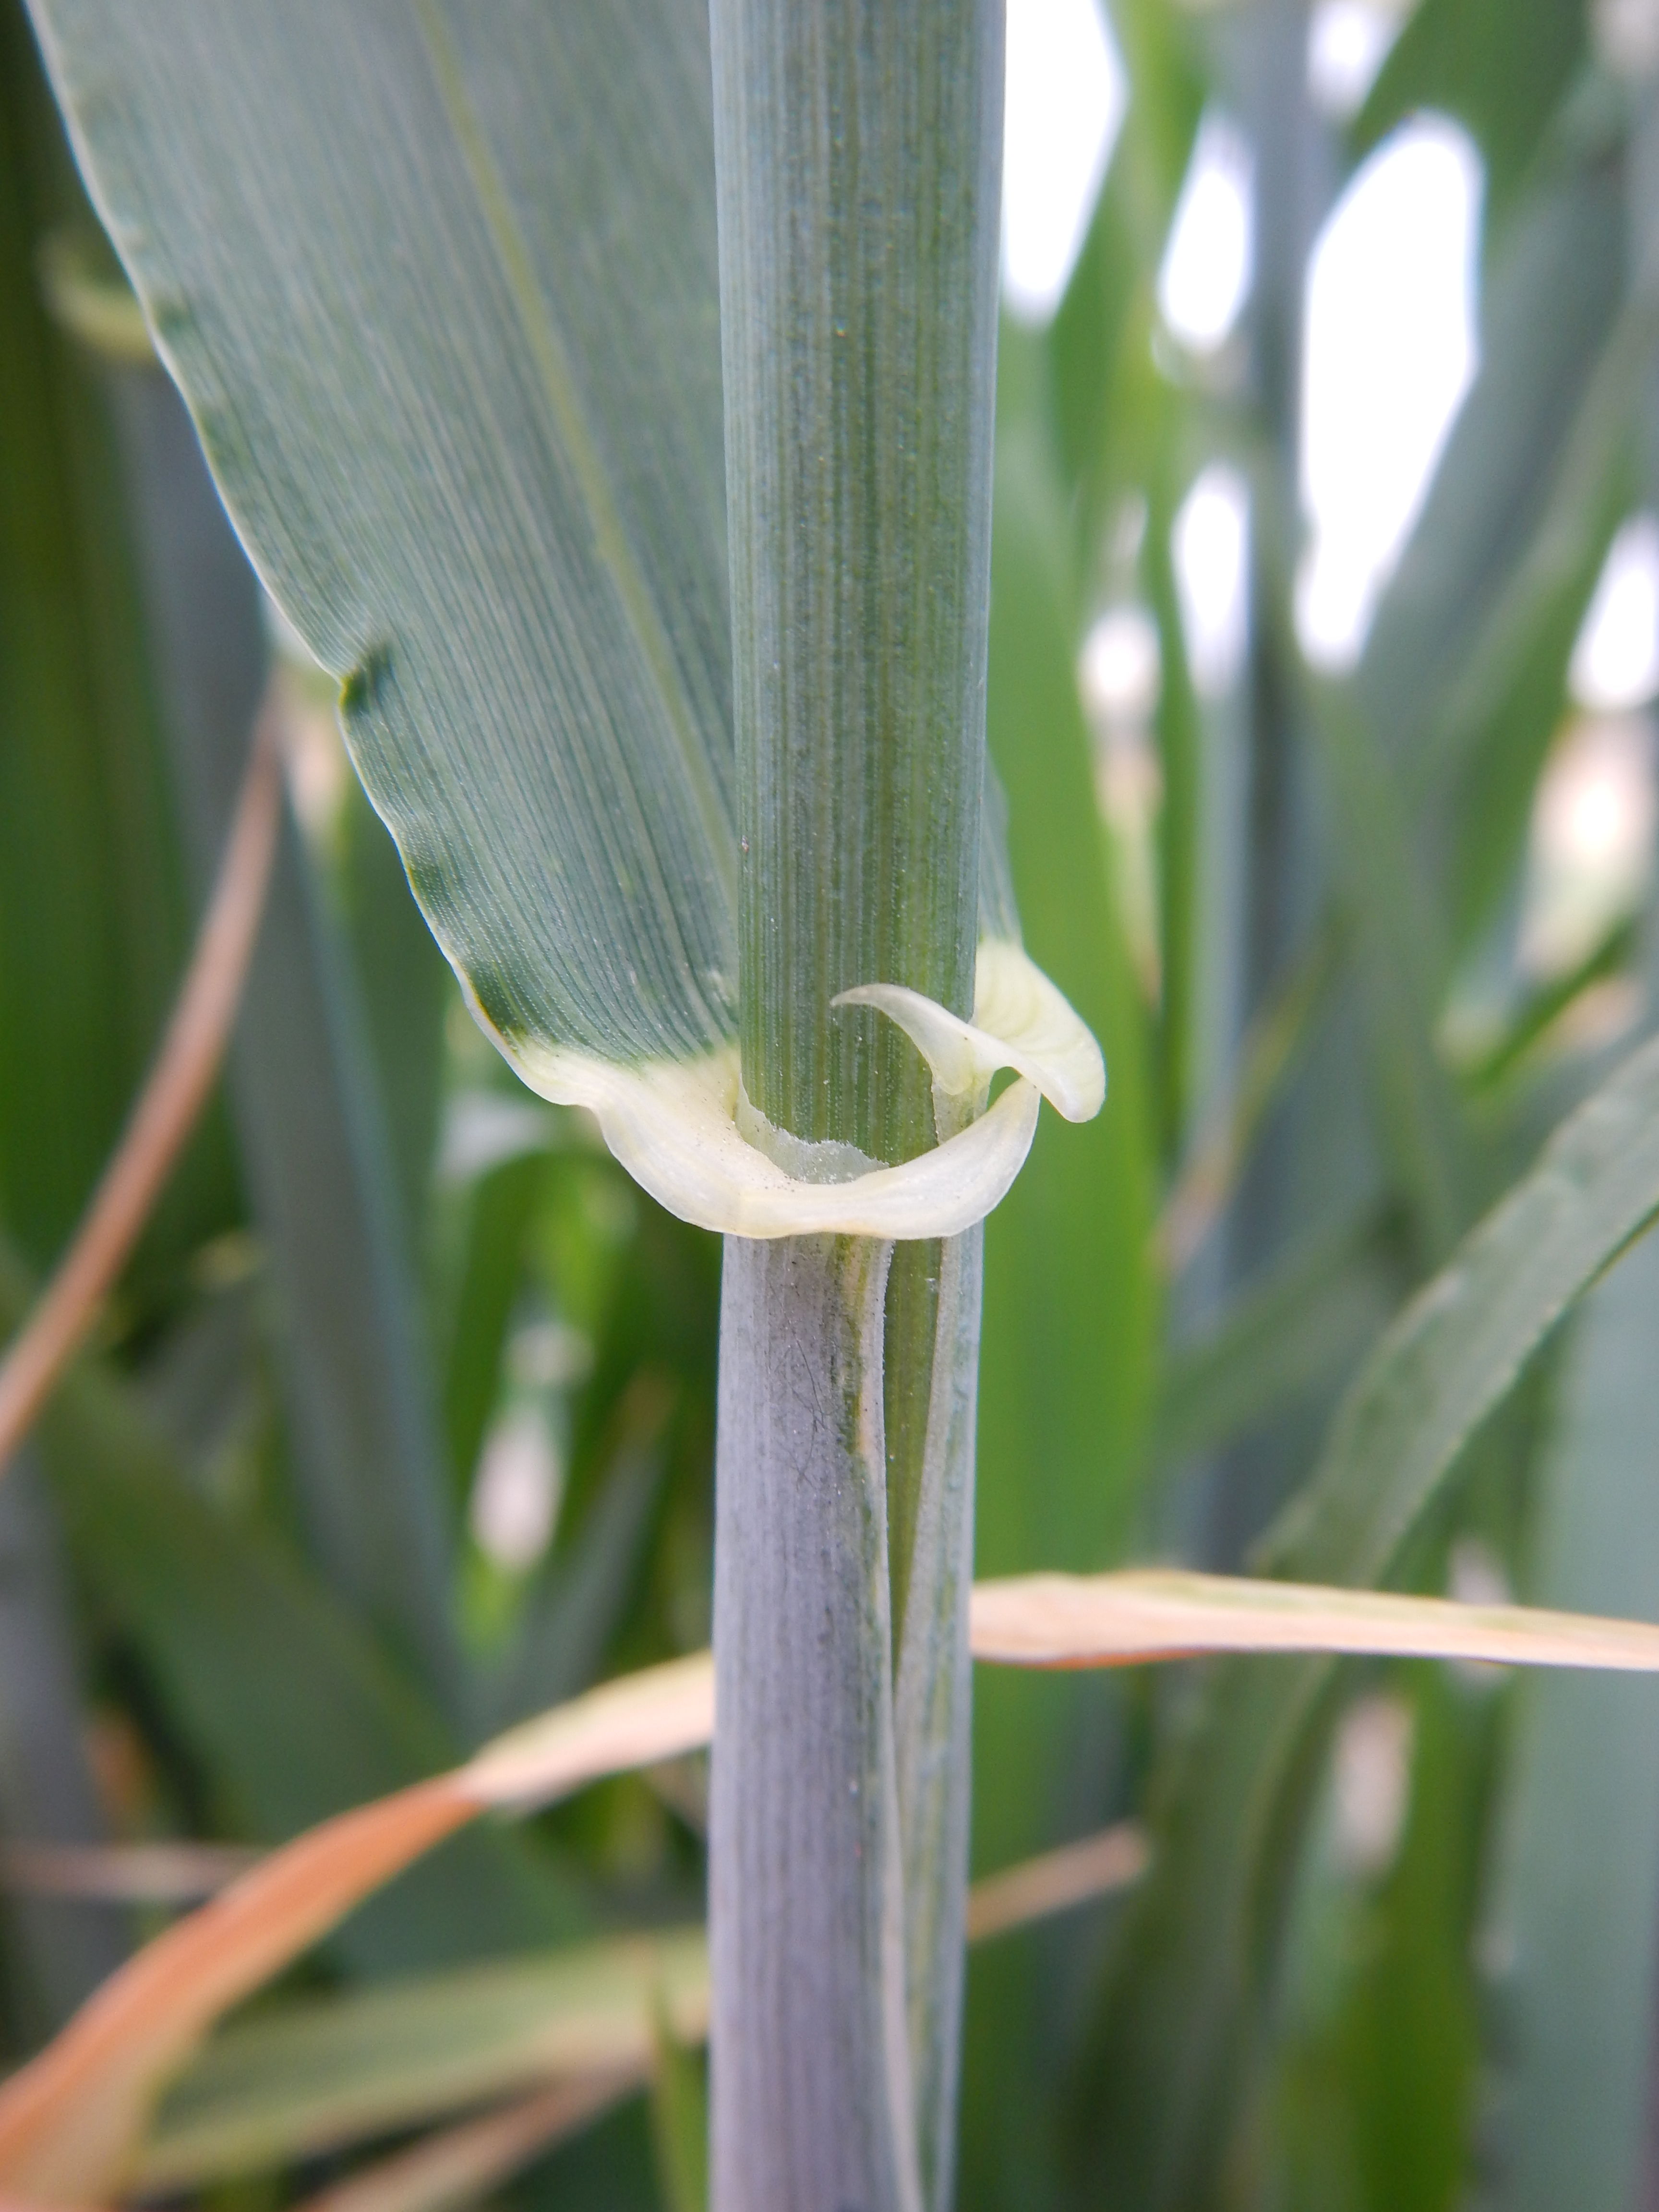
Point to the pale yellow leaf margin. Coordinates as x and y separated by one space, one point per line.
72 2120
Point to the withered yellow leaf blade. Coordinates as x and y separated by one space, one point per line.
655 1714
71 2120
1122 1620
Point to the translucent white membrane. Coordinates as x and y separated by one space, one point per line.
1020 1021
674 1124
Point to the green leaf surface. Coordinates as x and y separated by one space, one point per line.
1409 2028
1573 1923
1402 962
1501 70
1495 727
1167 92
326 2071
1167 2062
283 1697
315 1136
1182 755
1071 1293
1277 1340
1368 2101
59 1953
405 993
680 2121
93 917
1069 1261
1099 346
440 286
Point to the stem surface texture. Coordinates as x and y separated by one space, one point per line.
857 150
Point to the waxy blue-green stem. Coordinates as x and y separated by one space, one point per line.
857 151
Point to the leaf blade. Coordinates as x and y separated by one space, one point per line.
367 258
1124 1619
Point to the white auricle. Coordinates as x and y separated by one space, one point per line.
686 1133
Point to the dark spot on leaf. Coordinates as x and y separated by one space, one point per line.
365 687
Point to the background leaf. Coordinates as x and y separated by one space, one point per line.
1574 1912
1157 2121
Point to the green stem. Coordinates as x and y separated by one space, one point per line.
857 151
856 148
812 2106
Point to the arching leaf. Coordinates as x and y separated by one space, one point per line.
438 285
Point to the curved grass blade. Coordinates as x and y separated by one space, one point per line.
1068 1266
1501 73
1462 1340
1165 2068
1551 303
487 490
1573 1922
1125 1620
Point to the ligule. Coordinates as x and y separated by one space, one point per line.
681 1129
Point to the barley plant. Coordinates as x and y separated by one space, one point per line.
588 726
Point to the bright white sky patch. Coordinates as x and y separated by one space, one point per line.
1615 662
1348 42
1206 267
515 1491
1064 99
1390 352
1209 544
1118 670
